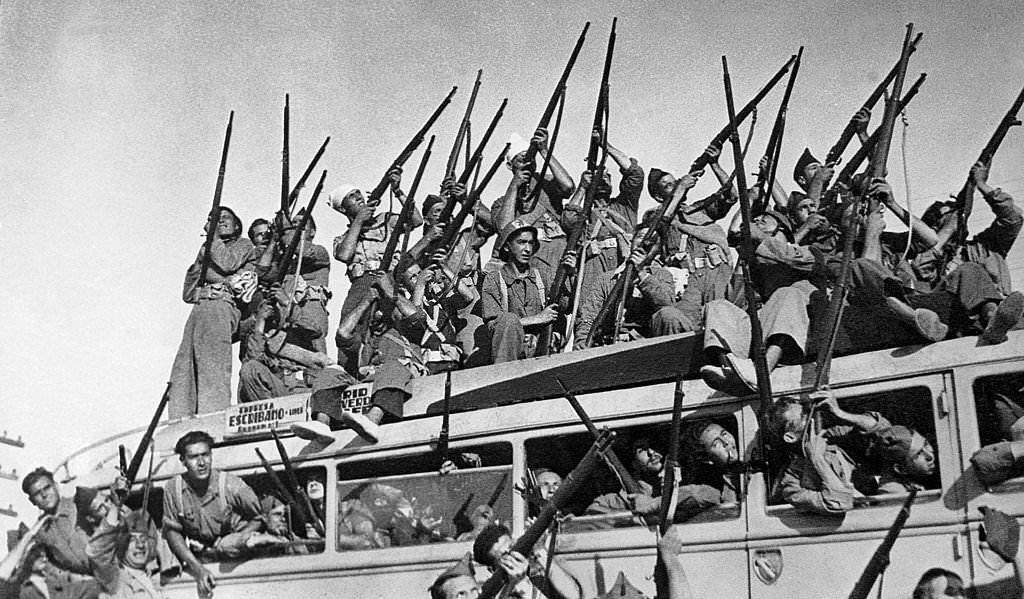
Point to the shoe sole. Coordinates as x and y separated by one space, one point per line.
1006 316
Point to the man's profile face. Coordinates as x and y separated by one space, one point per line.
226 225
43 494
98 508
921 465
804 209
432 215
793 421
665 186
719 445
547 484
767 224
927 271
500 547
646 459
277 520
461 587
198 460
260 235
352 202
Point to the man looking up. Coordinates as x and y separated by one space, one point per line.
216 510
201 374
493 548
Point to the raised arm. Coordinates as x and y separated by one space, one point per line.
669 548
11 562
921 231
556 173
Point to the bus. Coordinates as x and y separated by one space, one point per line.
509 418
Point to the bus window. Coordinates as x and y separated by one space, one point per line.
405 500
708 490
999 402
889 462
286 530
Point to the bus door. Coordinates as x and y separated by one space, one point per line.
600 537
797 549
991 410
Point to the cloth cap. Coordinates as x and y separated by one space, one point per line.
430 201
84 497
516 146
994 463
900 444
653 177
335 197
806 159
511 229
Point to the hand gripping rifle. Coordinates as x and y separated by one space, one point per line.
453 157
131 471
596 167
451 230
851 127
880 558
667 210
766 181
300 230
474 160
572 483
670 484
211 221
629 484
965 199
876 168
308 509
298 508
406 152
406 214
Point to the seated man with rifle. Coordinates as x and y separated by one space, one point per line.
536 202
363 244
513 299
716 445
827 471
303 295
493 549
988 248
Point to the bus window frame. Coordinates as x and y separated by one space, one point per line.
724 534
769 519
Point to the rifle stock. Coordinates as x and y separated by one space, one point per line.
133 467
629 483
417 139
211 221
880 558
572 483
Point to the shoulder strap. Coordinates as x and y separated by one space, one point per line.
503 290
176 483
540 287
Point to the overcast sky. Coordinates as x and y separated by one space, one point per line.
112 117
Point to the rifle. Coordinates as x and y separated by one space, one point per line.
572 483
453 157
293 245
965 199
132 470
880 558
451 230
549 110
297 507
626 479
846 136
308 506
285 189
667 210
764 382
876 168
294 195
417 139
449 205
211 221
774 149
406 214
669 493
597 177
442 437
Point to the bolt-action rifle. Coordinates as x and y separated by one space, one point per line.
405 216
211 221
131 471
880 558
308 506
453 157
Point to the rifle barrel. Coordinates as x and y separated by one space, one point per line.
147 437
549 110
284 160
211 222
300 230
406 214
294 195
453 157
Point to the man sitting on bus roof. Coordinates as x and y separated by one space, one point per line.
718 447
824 478
493 548
215 510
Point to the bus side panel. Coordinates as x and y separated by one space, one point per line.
825 566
